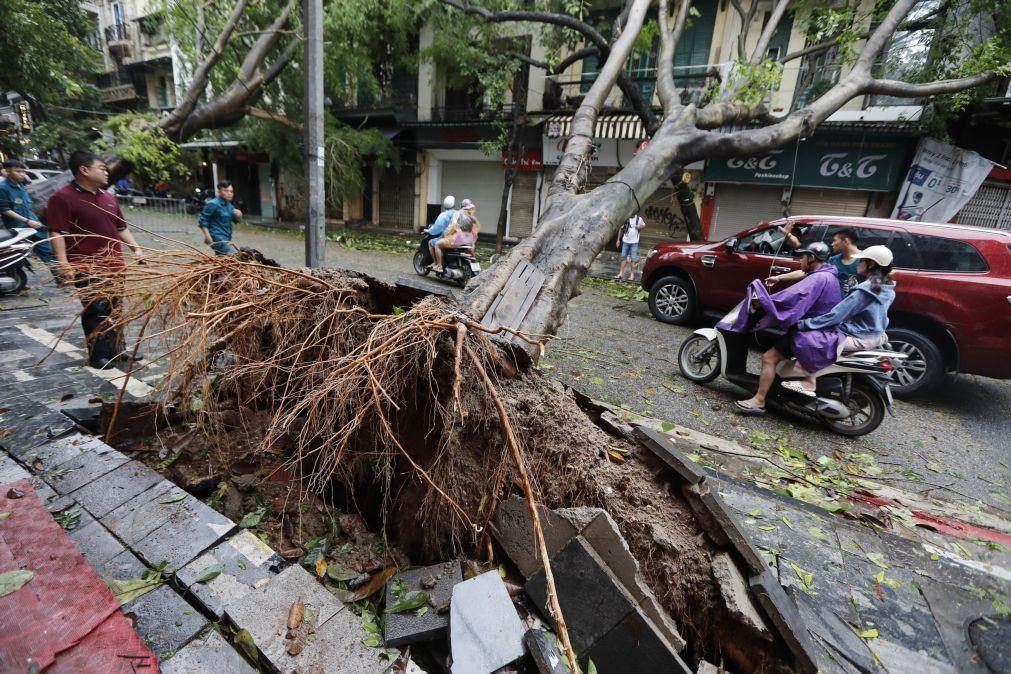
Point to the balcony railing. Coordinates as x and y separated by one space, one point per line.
470 113
117 32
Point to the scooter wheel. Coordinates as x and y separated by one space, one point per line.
20 280
867 410
419 264
699 359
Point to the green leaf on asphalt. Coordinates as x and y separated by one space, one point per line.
12 581
666 426
372 641
877 559
768 527
244 640
339 572
128 590
173 499
409 602
596 381
869 634
786 521
4 516
934 467
817 532
210 573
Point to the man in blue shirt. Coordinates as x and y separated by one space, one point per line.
217 217
16 209
844 245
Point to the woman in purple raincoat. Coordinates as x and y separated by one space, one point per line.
817 293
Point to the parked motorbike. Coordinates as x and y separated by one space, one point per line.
196 201
14 251
851 395
459 264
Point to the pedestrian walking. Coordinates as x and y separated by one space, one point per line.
16 210
628 241
88 232
217 217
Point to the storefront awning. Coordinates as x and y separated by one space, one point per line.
609 126
213 143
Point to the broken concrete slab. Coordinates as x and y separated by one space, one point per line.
783 614
189 531
954 610
207 653
11 470
895 657
145 512
264 613
991 636
736 596
719 524
631 641
95 543
246 563
82 469
833 633
513 529
338 649
116 487
407 628
164 620
545 652
671 451
485 631
61 450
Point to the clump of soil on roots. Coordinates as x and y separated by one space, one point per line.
385 404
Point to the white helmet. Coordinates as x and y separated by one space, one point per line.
448 202
880 254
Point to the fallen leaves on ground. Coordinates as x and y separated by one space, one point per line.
210 573
12 581
296 613
376 583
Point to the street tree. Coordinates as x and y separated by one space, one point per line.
575 225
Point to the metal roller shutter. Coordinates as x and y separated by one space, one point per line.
396 197
480 181
741 206
989 207
521 212
813 201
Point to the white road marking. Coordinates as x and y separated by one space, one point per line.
50 341
114 375
21 375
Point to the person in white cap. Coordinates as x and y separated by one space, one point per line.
858 323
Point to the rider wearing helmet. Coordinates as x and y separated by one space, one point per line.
817 293
438 228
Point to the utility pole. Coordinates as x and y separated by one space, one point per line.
315 228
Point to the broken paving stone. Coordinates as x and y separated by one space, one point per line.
83 469
116 488
209 653
134 520
991 635
895 657
514 531
669 450
783 614
707 668
631 641
61 450
954 609
830 630
190 530
719 524
736 596
247 563
164 620
545 652
485 631
407 627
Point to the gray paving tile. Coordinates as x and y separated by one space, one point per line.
113 489
124 566
145 512
83 469
207 654
61 450
11 470
164 620
95 543
247 563
189 531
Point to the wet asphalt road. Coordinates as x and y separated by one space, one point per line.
955 445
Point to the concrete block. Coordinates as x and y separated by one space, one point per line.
116 488
485 631
189 531
784 616
719 524
545 652
164 620
248 563
634 641
736 595
82 469
669 450
206 654
338 649
591 598
407 628
514 531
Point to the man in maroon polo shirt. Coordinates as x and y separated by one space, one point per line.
88 229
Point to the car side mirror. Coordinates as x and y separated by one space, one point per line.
731 244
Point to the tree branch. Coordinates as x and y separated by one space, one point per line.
746 18
271 116
907 90
559 67
778 11
669 38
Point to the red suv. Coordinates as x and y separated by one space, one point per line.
952 310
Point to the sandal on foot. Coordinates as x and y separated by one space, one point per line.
798 387
748 410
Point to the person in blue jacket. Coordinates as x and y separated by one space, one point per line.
859 321
438 228
217 217
16 209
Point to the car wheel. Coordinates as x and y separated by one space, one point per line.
699 359
672 300
922 370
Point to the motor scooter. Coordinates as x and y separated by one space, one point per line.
458 264
15 247
851 395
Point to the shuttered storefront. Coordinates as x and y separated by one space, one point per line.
480 181
396 197
742 206
521 211
814 201
989 207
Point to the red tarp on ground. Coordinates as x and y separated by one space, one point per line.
64 618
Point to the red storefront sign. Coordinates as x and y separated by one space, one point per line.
530 160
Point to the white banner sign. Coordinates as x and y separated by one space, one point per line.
941 180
